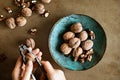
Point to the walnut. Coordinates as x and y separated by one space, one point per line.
65 49
83 35
68 35
82 60
26 12
10 22
82 56
39 8
86 45
46 1
90 52
74 42
91 34
33 31
21 21
30 43
76 28
89 58
77 52
2 17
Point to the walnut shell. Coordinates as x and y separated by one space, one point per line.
26 12
30 43
91 34
83 35
65 49
21 21
10 22
76 28
74 42
39 8
46 1
86 45
68 35
76 53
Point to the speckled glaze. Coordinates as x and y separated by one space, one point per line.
63 25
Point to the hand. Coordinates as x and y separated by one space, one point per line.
22 71
53 74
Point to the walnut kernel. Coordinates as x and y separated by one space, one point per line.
77 52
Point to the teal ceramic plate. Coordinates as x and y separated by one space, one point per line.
63 25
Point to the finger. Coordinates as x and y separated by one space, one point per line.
35 66
17 69
28 70
39 55
36 51
22 70
48 67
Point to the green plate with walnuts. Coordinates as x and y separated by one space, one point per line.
77 42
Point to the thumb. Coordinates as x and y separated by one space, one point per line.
48 67
28 70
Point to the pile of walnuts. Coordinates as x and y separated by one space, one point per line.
26 9
79 43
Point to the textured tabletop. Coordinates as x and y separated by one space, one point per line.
106 12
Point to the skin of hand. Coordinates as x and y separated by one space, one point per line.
53 74
23 72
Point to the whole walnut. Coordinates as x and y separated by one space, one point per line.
86 45
65 49
21 21
30 43
39 8
68 35
10 22
74 42
46 1
26 12
76 28
83 35
76 53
